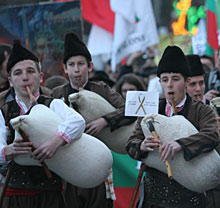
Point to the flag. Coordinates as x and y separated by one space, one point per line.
135 28
100 15
99 41
212 6
100 46
125 175
98 12
199 40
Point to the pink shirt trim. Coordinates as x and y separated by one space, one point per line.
23 111
64 136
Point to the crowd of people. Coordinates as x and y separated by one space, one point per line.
189 81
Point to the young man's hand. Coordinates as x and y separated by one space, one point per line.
48 149
94 127
149 143
211 94
16 148
169 148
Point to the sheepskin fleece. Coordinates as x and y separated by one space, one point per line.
215 104
92 106
199 174
84 162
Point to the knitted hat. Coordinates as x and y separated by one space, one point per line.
195 65
73 46
174 60
19 53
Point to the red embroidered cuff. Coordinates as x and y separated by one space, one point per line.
64 136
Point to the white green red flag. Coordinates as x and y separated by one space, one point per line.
135 28
213 22
98 12
125 173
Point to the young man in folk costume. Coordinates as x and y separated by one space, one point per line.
196 82
6 92
29 185
78 64
195 89
173 71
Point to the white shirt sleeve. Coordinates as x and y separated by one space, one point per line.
73 124
3 138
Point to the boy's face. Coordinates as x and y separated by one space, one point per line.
25 73
78 70
174 86
196 87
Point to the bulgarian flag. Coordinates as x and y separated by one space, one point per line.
98 12
125 173
102 18
212 10
134 30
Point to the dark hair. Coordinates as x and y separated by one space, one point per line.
102 76
87 60
130 78
4 48
206 68
210 58
55 81
37 64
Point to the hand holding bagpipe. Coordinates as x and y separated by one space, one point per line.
156 137
26 138
24 148
147 145
167 148
22 144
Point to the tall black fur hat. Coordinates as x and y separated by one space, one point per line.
195 65
19 53
174 60
73 46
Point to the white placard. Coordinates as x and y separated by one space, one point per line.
199 40
141 103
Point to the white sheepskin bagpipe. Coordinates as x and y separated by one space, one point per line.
85 162
199 174
92 106
215 104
